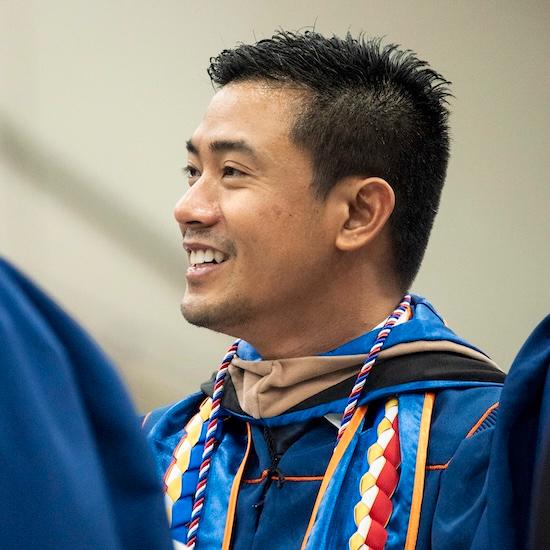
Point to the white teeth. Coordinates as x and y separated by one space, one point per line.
209 255
198 257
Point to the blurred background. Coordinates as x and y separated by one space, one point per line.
98 98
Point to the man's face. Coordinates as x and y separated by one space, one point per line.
258 240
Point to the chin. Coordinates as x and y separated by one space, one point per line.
226 318
204 315
199 316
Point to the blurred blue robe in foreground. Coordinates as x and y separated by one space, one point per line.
75 471
518 479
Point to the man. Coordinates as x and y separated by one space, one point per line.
347 414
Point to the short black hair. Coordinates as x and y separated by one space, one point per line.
369 110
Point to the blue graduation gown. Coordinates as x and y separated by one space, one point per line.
446 426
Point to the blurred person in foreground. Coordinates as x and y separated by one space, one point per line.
347 414
75 470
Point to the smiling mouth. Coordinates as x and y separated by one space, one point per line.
205 257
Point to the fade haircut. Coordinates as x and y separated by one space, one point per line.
368 110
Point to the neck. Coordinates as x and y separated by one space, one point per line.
322 327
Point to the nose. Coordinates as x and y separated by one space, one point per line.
198 207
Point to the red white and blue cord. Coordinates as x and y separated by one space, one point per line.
211 433
369 363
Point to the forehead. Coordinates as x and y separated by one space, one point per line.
253 112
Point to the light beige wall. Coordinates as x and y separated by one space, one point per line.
98 98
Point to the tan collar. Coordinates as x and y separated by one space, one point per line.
269 388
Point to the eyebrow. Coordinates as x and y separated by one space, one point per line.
223 146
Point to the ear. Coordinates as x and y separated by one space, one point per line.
367 204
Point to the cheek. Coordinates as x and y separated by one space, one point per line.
272 234
296 242
282 226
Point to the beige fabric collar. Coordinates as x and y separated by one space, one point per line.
269 388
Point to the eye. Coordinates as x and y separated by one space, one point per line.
191 172
232 172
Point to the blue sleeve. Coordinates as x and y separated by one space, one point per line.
75 469
523 426
485 493
455 489
459 519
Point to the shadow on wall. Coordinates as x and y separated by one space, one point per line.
83 196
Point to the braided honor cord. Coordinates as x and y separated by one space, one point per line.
369 363
209 445
376 487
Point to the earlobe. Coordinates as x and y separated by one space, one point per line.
369 202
